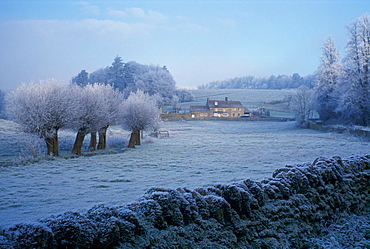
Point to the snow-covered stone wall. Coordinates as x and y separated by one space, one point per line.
287 210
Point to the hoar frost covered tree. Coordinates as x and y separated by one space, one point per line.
355 101
113 99
116 74
97 107
82 79
301 104
89 115
131 76
328 77
156 80
272 82
342 92
139 112
41 109
99 76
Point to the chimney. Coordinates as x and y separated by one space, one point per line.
226 99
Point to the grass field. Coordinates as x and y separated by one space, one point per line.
197 153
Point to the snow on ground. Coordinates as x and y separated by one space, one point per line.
197 153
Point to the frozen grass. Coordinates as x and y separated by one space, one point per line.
349 231
246 96
197 153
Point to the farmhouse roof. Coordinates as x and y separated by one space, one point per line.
224 104
199 108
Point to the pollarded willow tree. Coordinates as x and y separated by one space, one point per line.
328 77
88 117
113 99
41 109
139 113
97 107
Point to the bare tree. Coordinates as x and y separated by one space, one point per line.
139 112
41 109
301 104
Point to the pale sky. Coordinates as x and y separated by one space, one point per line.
199 41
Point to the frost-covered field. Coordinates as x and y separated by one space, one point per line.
197 153
246 96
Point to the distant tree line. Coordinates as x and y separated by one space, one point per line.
272 82
132 76
43 109
342 86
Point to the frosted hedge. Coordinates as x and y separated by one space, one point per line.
289 210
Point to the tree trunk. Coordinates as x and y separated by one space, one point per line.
56 145
78 143
52 145
92 145
133 139
138 138
49 143
103 138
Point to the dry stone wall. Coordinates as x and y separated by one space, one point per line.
289 210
